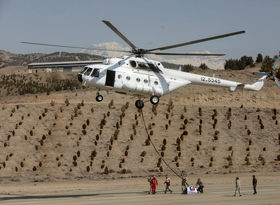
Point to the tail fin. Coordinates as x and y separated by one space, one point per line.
257 85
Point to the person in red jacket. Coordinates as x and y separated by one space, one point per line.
154 184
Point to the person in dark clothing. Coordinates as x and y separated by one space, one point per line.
255 182
200 186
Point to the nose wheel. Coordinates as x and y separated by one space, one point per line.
99 97
154 99
139 104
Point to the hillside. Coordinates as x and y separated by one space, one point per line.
196 129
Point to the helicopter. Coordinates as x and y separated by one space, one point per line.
138 75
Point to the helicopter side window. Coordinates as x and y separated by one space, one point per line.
95 73
88 71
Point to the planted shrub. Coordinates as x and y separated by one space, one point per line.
248 132
178 141
67 103
84 126
178 148
182 137
250 142
143 154
200 111
147 142
185 133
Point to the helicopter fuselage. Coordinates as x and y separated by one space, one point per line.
143 77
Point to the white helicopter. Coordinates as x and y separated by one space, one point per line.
145 77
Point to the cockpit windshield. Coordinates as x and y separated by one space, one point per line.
84 69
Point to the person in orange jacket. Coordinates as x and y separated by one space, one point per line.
154 184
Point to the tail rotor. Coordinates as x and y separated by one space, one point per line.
271 75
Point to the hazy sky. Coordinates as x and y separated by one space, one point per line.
147 23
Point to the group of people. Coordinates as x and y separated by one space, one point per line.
154 183
238 186
199 185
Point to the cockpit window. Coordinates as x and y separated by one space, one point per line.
85 68
95 73
88 71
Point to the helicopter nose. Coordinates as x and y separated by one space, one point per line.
80 78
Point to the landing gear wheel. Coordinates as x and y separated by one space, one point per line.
154 99
139 104
99 98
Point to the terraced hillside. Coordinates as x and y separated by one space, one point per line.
61 140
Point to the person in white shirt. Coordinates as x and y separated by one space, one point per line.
167 185
237 186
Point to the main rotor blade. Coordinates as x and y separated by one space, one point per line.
187 54
119 34
76 47
197 41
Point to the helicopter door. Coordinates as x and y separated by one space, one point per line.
110 78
